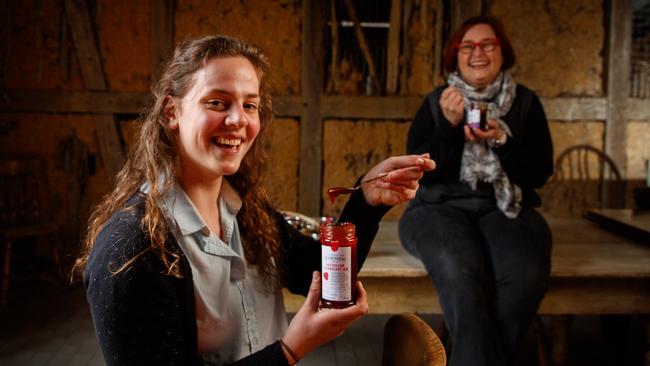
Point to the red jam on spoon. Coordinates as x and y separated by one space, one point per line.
336 191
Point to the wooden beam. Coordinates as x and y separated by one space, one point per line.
392 72
463 9
288 106
96 102
405 58
333 85
354 107
404 107
618 79
74 101
438 46
5 46
363 45
162 35
638 110
83 35
311 124
578 108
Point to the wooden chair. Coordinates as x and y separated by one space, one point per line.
22 210
409 341
584 178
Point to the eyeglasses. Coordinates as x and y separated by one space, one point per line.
487 45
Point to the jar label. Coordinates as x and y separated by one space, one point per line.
336 277
474 118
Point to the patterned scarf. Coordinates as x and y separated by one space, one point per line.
479 161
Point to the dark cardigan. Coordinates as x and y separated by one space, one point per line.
144 317
526 157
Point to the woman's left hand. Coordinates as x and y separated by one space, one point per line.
400 179
492 133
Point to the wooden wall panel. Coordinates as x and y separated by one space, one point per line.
311 124
93 76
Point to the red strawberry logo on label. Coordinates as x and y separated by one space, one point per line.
325 275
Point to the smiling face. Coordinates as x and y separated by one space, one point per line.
218 119
479 68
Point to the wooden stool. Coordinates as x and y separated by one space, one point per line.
22 211
410 341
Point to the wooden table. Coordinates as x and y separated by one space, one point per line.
625 221
593 271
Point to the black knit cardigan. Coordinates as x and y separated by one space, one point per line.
144 317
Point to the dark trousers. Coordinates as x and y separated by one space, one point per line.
490 272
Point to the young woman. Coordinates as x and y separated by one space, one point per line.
185 259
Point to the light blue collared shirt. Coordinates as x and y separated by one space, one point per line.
234 314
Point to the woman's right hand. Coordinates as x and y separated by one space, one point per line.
452 105
312 327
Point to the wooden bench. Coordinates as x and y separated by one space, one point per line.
593 271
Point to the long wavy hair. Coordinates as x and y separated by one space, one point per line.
153 159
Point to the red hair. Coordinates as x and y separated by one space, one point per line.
451 52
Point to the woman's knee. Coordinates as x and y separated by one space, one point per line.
530 281
459 280
419 229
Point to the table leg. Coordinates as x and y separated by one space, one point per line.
5 272
540 338
561 327
647 340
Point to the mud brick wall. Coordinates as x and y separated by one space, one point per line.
124 42
281 178
559 46
637 149
569 133
274 25
421 34
350 148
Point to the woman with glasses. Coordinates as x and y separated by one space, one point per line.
472 222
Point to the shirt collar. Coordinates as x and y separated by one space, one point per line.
229 206
179 206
